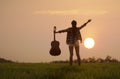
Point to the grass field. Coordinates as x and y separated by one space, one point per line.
59 71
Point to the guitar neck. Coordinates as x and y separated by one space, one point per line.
54 32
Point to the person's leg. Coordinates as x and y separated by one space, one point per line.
77 53
71 54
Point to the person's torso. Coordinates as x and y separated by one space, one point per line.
73 34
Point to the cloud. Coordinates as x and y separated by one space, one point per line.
72 12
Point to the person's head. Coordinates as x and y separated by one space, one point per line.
74 23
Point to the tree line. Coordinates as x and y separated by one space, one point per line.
108 59
3 60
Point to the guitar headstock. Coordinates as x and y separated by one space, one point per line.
54 29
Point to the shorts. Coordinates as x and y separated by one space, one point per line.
75 44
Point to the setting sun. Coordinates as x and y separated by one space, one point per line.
89 43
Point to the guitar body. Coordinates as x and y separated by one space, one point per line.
55 50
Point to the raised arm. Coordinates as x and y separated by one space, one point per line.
84 24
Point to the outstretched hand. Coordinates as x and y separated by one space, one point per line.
89 20
58 32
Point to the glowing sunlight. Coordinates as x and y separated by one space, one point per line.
89 43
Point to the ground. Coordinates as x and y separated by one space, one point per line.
59 71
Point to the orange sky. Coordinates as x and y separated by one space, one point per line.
26 28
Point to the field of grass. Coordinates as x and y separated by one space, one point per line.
59 71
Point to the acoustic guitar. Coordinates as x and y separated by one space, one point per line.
55 50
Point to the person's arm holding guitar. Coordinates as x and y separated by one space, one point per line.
60 31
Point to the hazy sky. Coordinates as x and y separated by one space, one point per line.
26 28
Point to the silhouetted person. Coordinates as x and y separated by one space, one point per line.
73 37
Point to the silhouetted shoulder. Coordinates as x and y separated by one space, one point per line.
69 29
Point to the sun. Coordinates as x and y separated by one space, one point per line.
89 43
